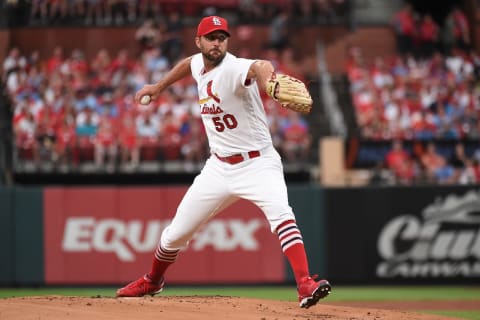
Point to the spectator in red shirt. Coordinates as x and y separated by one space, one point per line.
56 60
476 170
77 62
435 165
106 144
129 148
122 62
405 30
399 161
461 29
148 132
456 32
171 137
25 128
429 33
100 64
422 125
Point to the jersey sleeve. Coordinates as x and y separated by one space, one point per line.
238 71
196 66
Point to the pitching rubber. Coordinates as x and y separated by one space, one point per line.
321 292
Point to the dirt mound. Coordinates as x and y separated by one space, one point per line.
186 307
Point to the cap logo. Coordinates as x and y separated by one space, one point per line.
216 21
212 23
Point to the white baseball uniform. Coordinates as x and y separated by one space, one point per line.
243 161
243 164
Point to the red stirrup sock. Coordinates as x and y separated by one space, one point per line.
293 248
161 261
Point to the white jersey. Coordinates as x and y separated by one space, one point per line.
231 109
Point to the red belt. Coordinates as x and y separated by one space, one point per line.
237 158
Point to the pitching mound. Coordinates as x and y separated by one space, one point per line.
191 308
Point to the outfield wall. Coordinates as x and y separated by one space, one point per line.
107 235
21 236
404 235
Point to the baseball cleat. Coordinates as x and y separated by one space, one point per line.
141 287
311 291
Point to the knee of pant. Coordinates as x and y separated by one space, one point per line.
174 241
279 219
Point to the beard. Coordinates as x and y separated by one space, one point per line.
214 56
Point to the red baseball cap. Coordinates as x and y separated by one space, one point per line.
210 24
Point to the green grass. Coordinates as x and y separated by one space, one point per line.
288 293
408 293
276 293
340 293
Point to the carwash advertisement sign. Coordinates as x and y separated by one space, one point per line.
404 235
109 235
442 240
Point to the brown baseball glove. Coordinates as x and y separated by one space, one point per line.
290 92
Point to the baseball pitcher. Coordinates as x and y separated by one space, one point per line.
243 161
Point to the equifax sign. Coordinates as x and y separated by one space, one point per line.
103 235
126 239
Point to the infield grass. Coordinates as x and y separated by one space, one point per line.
288 293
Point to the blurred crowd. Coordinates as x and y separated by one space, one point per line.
125 12
428 162
421 35
70 110
428 91
411 98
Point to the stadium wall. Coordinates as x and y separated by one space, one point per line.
403 235
106 235
374 41
21 236
4 43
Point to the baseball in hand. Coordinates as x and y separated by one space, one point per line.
145 99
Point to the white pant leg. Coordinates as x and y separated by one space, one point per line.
208 195
261 181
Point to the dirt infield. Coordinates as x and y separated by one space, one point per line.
207 308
